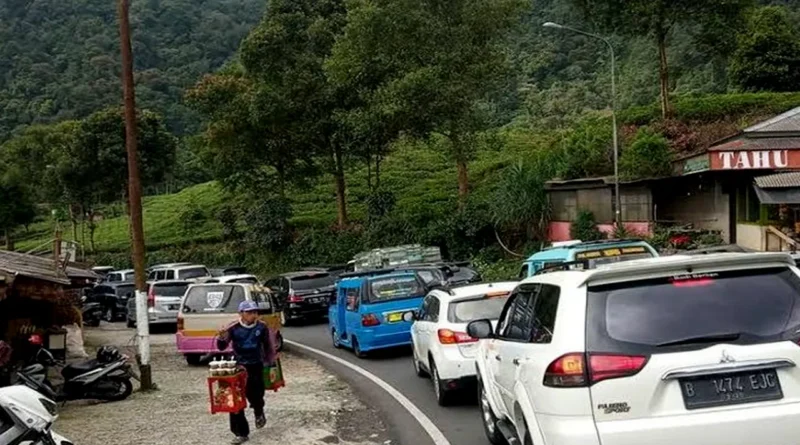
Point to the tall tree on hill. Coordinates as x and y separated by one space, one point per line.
767 56
656 19
16 205
429 66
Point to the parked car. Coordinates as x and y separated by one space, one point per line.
368 311
335 270
592 252
119 275
441 347
683 349
244 278
228 270
113 297
166 266
163 302
102 270
302 295
206 307
190 272
463 273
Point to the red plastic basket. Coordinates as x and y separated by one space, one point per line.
227 393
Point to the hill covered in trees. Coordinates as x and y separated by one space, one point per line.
59 59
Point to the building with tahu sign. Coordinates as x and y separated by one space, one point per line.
745 187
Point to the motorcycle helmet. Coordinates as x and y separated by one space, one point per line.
108 354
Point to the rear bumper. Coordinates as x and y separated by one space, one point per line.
370 340
196 345
300 312
452 365
576 430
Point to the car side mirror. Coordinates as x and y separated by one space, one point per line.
480 329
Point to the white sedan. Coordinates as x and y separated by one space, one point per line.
442 348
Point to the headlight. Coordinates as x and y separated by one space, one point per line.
51 407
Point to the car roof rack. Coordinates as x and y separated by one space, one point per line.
567 265
609 241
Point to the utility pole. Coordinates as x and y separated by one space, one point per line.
135 198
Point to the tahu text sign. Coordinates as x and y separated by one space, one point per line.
749 160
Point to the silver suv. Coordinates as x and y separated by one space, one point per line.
163 302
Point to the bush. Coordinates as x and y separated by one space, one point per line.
191 217
584 228
228 217
267 224
587 149
648 157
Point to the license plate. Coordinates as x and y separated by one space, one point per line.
731 389
395 317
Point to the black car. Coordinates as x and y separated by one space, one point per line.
113 297
303 295
463 273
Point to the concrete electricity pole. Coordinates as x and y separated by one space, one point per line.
135 197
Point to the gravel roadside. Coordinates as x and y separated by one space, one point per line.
314 408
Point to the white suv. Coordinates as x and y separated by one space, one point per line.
442 348
675 350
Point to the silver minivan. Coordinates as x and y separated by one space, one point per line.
163 302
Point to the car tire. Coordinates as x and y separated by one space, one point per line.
357 349
488 418
108 316
193 359
279 341
443 396
337 343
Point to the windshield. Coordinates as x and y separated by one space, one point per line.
316 281
751 306
218 298
394 288
170 290
476 309
195 272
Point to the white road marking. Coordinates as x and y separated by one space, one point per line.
435 433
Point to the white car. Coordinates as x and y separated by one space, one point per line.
684 350
195 273
442 348
241 278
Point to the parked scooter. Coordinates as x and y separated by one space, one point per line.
91 312
108 377
26 418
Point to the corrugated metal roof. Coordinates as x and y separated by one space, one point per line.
15 263
745 143
786 122
779 180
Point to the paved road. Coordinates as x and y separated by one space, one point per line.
461 424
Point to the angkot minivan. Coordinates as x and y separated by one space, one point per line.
206 308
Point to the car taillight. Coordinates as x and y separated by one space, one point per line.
180 322
368 320
151 298
571 370
294 298
448 337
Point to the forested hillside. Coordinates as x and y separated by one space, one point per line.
59 59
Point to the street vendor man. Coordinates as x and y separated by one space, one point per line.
253 348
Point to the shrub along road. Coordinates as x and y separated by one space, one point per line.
460 423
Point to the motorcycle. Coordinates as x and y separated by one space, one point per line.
26 418
107 377
91 312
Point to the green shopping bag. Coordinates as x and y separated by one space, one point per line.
273 377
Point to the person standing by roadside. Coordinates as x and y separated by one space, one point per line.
253 348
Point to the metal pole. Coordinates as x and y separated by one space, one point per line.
135 198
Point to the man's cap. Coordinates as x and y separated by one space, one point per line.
248 306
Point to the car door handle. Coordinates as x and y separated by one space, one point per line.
515 361
498 358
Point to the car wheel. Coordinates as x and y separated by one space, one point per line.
443 396
109 315
279 341
357 349
418 366
337 343
193 359
489 419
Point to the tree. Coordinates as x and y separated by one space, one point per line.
657 20
16 206
429 67
767 55
649 156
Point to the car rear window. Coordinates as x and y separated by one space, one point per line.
194 272
480 308
694 311
316 281
219 298
170 289
394 288
124 290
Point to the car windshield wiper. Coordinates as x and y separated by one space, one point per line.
702 339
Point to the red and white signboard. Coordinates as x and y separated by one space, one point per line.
750 160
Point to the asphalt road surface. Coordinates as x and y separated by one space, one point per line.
461 423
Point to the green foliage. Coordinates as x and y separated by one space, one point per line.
519 204
267 224
767 55
61 58
379 203
229 219
585 228
649 156
191 217
587 149
16 206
